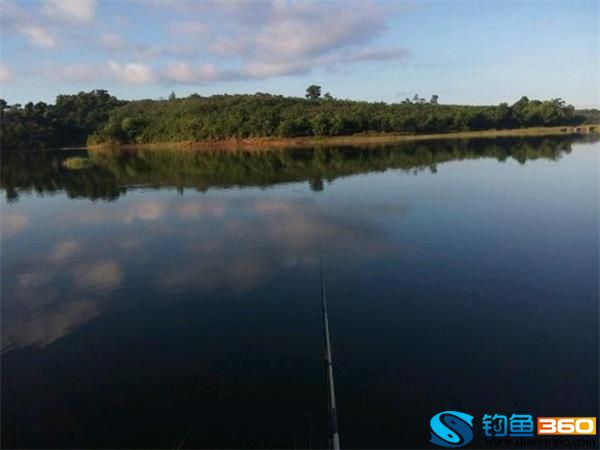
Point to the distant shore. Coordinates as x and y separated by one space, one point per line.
356 139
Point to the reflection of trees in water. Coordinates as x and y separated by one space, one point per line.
44 173
113 172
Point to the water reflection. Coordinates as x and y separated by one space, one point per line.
213 243
165 312
109 174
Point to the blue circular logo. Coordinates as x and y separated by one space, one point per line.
451 429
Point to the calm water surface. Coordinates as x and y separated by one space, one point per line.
155 299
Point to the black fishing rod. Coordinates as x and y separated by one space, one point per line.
335 437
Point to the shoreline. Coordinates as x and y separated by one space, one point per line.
349 140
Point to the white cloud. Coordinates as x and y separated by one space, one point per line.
80 73
112 41
284 68
273 38
227 46
128 73
209 72
18 20
397 53
211 41
6 74
131 73
182 72
273 69
311 31
82 11
122 21
190 28
12 14
37 36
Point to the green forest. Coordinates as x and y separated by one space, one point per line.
97 117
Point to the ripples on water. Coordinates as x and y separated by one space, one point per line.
155 297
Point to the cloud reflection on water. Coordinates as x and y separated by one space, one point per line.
12 223
172 245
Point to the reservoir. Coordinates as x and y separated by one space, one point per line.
171 299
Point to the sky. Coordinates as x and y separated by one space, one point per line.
470 52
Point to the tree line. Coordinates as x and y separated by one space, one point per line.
68 122
97 117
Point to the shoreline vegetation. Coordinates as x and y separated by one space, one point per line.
364 139
261 119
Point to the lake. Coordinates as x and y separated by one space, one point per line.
161 299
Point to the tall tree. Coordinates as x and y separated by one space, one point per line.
313 92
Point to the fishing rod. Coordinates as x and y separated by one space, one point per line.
335 437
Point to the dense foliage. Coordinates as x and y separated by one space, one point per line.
589 116
98 117
107 174
68 122
263 115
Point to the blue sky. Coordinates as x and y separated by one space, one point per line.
476 52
